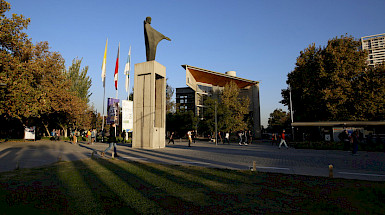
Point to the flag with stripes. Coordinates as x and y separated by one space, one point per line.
117 70
127 70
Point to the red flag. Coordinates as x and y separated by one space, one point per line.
117 70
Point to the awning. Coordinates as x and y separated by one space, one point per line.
338 123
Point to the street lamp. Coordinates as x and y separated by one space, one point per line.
291 112
216 125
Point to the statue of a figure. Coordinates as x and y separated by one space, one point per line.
152 37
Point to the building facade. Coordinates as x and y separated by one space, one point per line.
375 44
203 83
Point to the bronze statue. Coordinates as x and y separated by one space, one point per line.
152 37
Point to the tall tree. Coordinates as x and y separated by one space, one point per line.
231 110
234 108
37 90
170 104
330 83
278 120
80 82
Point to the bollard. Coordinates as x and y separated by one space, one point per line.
254 166
92 154
113 155
17 166
330 171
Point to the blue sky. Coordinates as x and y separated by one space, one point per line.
259 39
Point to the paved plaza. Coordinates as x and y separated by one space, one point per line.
268 158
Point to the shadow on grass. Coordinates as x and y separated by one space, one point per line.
106 186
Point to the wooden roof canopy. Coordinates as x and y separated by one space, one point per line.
216 78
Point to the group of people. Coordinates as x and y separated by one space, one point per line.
350 140
55 134
275 138
91 136
244 137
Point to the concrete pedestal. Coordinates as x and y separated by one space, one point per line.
149 106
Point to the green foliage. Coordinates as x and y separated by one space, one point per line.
37 90
181 122
278 120
80 82
335 83
231 111
234 109
170 104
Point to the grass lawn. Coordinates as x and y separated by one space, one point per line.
103 186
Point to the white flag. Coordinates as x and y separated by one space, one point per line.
127 70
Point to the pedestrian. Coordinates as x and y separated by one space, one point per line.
283 140
273 139
354 140
112 140
193 136
249 137
244 134
88 135
189 138
227 137
171 138
240 137
74 138
220 137
344 137
93 136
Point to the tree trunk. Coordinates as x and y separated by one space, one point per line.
46 129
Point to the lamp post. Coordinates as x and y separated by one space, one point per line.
291 112
216 125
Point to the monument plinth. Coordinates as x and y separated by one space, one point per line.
149 106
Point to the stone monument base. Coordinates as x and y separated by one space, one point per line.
149 106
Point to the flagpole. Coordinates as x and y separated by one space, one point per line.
128 74
104 98
104 84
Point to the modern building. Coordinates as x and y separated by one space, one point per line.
375 44
202 83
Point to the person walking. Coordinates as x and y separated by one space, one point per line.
88 135
193 136
93 136
227 137
244 134
354 140
273 139
283 140
74 137
112 140
240 137
171 138
189 138
344 137
249 137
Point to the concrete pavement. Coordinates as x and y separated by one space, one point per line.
366 166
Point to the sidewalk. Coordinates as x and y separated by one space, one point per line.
366 166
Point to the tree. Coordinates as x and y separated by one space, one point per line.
181 122
278 120
231 111
170 104
234 108
328 83
80 82
37 90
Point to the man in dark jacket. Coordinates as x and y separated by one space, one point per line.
112 140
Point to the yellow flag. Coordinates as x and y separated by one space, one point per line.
104 65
